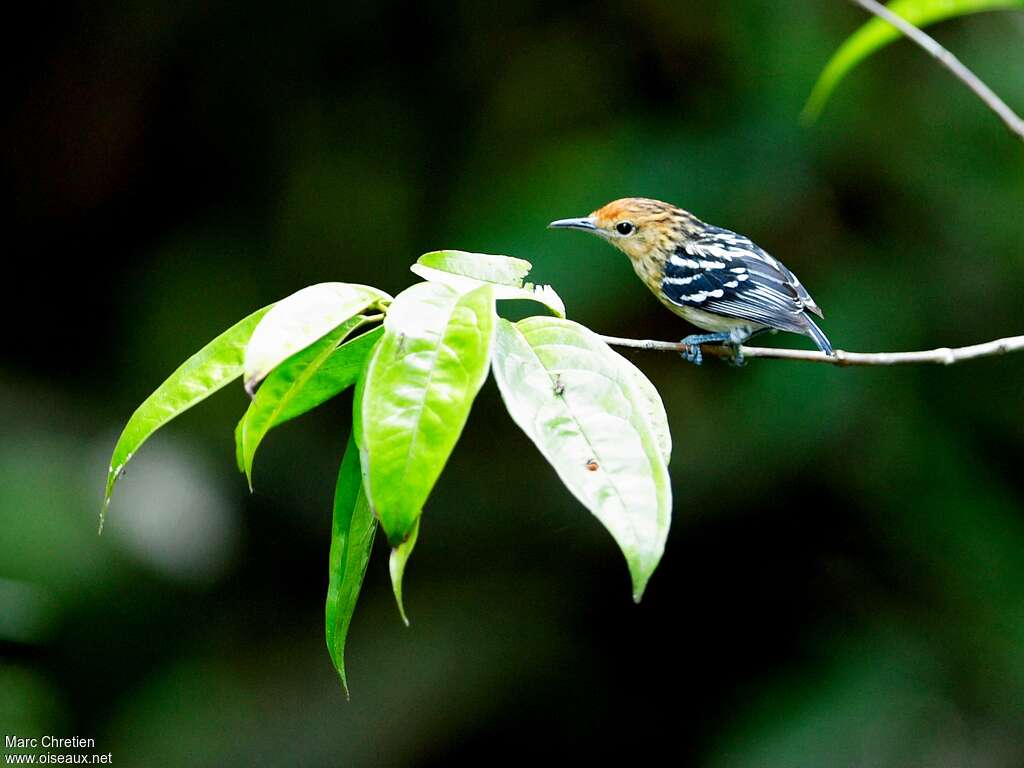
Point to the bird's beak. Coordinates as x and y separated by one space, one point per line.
586 223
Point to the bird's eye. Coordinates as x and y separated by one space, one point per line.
625 227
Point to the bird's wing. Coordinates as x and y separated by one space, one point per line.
725 273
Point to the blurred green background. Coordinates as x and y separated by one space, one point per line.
844 581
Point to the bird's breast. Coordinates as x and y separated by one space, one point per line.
650 268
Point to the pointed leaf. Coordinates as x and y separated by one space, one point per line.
482 267
208 370
580 405
416 394
299 320
283 392
396 566
352 537
654 408
877 33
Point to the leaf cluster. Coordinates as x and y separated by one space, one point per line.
417 362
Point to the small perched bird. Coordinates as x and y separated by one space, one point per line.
715 279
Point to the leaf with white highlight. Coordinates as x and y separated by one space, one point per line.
482 267
582 406
301 319
416 394
465 272
654 407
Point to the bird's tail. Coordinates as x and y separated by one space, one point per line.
820 339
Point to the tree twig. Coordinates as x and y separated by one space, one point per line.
950 62
941 356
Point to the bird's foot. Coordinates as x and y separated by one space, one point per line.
734 339
693 353
737 338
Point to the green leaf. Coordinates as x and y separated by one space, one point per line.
416 393
877 33
340 372
352 537
211 368
239 457
467 271
580 404
283 394
654 408
299 320
396 566
482 267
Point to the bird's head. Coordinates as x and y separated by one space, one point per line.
637 226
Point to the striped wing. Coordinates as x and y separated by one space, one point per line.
725 273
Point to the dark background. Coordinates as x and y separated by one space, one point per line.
844 581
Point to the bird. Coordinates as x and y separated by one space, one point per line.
714 278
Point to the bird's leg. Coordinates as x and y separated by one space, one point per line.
693 354
737 338
734 338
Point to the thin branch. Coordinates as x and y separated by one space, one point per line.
951 62
941 356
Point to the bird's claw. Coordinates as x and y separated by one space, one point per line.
692 354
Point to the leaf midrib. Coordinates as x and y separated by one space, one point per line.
579 426
435 353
